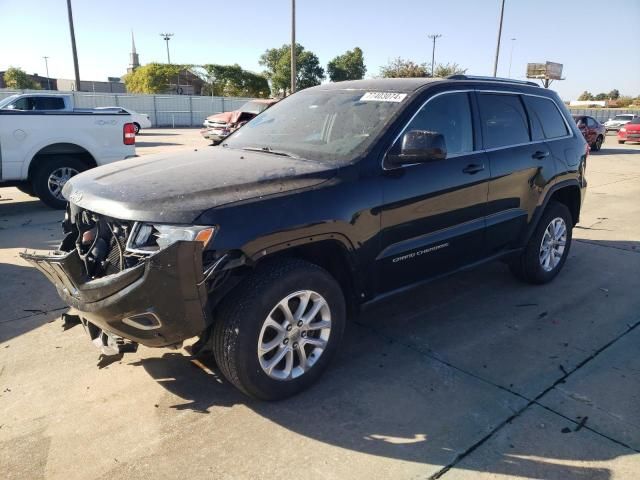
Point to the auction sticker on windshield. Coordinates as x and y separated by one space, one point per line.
383 97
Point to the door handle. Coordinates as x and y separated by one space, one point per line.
473 168
539 155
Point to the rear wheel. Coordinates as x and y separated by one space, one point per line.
50 177
597 145
548 247
136 127
276 333
621 141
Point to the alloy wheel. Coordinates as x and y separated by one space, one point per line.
294 335
553 244
57 180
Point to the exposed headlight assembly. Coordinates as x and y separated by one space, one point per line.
148 238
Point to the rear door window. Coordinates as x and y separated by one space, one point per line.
504 121
449 115
546 112
49 103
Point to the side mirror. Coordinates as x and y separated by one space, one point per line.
418 146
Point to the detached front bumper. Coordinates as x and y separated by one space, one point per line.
159 302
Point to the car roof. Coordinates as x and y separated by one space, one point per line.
410 85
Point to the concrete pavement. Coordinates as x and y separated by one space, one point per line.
474 376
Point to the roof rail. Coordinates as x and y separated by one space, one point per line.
491 79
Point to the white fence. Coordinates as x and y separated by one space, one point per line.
163 110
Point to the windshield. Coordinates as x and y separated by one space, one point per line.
6 101
319 125
623 117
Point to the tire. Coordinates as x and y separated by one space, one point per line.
621 142
597 145
240 326
529 267
136 127
67 166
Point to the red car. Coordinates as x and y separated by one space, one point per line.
592 130
630 132
220 125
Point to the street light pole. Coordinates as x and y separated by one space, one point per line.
167 37
46 67
73 46
433 37
513 42
495 64
293 46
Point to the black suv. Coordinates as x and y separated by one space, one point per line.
335 197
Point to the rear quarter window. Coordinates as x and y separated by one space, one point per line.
547 114
504 121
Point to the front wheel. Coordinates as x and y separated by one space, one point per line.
51 175
276 333
548 247
597 145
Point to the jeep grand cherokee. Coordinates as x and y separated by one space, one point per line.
337 196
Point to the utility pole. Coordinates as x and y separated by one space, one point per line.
293 46
495 64
167 37
73 46
46 66
513 42
433 37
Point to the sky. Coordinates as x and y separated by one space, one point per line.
598 55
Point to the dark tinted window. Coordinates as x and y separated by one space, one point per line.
49 103
504 121
24 103
449 115
591 123
635 121
547 113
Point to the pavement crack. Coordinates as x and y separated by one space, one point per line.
600 244
35 313
530 402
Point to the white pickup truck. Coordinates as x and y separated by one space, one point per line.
40 149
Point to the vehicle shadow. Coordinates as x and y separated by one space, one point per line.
156 144
385 398
605 150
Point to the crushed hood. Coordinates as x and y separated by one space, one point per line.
225 117
177 188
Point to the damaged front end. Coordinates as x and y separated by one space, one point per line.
131 282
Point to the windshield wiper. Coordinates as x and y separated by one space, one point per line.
269 150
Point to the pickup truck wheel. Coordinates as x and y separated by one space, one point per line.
548 247
277 331
51 176
621 141
136 127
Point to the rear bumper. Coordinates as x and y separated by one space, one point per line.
159 302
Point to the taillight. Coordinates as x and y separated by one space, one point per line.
129 134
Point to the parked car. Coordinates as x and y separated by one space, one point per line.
338 196
41 150
221 125
593 131
630 132
617 122
140 120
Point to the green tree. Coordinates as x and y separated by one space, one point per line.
399 68
585 96
348 66
624 101
17 78
233 81
153 77
601 96
614 94
277 62
444 70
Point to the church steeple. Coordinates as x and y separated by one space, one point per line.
134 61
